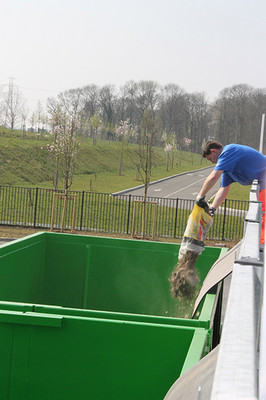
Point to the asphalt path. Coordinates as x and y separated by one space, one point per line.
183 186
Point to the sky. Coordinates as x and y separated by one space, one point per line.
48 46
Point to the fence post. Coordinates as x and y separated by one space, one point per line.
128 213
81 212
176 207
35 208
224 218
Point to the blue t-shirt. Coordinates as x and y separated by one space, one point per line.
241 164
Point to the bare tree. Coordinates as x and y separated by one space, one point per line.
169 148
57 122
107 99
234 116
33 121
44 121
69 148
147 96
172 105
95 123
234 109
55 111
12 102
1 107
198 118
258 108
145 155
39 114
128 94
24 116
123 132
89 106
67 104
65 148
71 102
90 99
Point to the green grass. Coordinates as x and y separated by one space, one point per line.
26 162
239 192
104 213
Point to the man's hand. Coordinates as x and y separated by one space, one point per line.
201 202
212 211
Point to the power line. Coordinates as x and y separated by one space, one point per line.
40 89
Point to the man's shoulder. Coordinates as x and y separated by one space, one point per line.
228 157
239 149
230 148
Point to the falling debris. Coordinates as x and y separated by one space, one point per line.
184 278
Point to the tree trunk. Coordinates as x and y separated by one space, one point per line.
144 210
64 210
120 166
56 174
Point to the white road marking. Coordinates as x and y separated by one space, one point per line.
157 190
180 190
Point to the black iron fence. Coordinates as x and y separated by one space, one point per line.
101 212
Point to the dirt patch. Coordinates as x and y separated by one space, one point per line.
184 278
17 232
14 232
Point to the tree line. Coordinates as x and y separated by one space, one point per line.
185 120
144 113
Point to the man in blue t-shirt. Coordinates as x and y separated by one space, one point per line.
234 163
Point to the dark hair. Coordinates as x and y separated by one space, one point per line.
211 144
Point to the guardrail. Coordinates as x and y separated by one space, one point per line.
241 364
101 212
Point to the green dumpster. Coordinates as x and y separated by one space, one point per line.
76 271
58 357
89 317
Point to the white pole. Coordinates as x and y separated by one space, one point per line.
262 133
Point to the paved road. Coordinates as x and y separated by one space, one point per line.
182 186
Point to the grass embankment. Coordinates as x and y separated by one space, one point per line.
26 162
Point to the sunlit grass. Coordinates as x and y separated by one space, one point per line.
239 192
25 162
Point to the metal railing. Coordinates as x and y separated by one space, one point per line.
240 369
101 212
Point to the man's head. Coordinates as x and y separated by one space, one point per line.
211 150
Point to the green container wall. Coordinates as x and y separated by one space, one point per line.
54 357
116 275
86 317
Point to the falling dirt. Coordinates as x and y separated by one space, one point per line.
184 278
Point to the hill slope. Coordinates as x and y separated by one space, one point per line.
26 162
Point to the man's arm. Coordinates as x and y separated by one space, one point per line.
220 196
210 182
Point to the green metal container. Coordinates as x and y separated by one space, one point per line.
89 317
58 357
76 271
